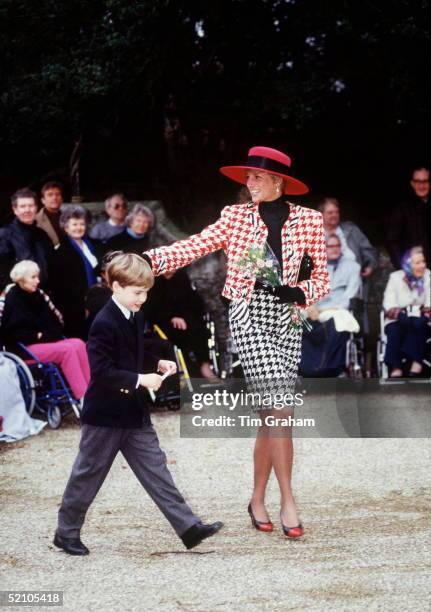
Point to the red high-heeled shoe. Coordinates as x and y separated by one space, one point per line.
259 525
293 533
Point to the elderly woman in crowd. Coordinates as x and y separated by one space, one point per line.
324 346
355 246
406 303
141 232
29 317
74 269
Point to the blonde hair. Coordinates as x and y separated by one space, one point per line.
22 269
128 269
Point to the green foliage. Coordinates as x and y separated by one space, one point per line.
70 67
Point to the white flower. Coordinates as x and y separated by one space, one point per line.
260 263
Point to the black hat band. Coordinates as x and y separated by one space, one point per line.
256 161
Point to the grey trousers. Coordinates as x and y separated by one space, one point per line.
97 451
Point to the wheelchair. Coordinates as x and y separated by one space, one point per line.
169 394
171 398
355 357
355 366
382 368
43 387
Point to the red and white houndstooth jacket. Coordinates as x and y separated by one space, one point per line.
238 228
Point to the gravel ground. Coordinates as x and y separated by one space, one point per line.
365 504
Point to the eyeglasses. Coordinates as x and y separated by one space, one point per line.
420 181
117 206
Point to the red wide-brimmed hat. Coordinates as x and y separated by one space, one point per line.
264 159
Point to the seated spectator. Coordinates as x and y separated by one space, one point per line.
406 303
142 232
324 346
29 317
178 310
75 268
48 217
354 244
116 209
410 223
22 239
15 422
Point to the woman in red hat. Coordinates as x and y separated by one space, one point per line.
265 240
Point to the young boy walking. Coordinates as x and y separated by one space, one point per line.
115 415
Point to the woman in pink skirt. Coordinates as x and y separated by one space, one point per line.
28 316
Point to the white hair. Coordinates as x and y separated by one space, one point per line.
140 209
22 269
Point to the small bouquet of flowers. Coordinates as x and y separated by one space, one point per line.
259 263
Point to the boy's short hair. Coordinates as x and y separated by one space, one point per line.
128 269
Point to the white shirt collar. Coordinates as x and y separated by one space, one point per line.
126 312
110 221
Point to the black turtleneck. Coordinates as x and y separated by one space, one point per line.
274 214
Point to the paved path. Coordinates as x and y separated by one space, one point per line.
365 504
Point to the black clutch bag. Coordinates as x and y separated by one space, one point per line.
305 268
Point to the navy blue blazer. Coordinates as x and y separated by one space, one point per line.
116 354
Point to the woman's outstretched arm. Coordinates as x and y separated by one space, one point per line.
183 252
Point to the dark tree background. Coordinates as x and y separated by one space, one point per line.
163 92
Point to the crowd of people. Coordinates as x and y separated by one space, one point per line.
52 283
57 267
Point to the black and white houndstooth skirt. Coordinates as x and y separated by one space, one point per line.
268 346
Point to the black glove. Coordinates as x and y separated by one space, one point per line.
289 295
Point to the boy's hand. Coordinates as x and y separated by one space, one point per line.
150 381
167 367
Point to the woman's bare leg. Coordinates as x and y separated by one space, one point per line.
281 454
262 471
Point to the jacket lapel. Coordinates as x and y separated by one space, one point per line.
140 325
290 243
123 324
259 231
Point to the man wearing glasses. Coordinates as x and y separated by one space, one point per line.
116 209
410 224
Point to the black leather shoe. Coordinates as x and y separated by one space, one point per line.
196 533
73 546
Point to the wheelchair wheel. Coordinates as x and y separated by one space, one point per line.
26 381
54 416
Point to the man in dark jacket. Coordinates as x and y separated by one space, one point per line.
22 239
410 224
